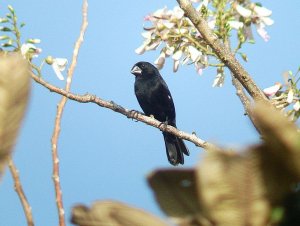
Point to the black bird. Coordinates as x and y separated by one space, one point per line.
155 99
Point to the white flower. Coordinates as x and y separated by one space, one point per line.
181 31
177 13
271 91
153 45
211 23
140 50
267 21
243 11
260 28
175 65
168 24
199 67
160 61
201 64
290 96
176 57
31 49
261 18
297 106
195 54
235 24
59 65
219 80
160 12
262 11
170 50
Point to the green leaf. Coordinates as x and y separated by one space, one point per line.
4 37
22 24
33 40
3 20
6 45
277 214
5 29
11 9
251 41
244 57
9 16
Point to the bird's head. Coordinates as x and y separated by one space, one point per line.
144 69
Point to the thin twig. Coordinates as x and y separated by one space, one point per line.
245 101
60 108
20 192
88 98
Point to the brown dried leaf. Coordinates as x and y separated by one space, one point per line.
231 190
176 193
240 189
281 136
14 92
111 213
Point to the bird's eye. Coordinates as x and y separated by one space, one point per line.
143 65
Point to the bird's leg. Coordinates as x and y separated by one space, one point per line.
163 125
133 114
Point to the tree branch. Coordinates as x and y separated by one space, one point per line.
88 98
224 53
60 108
20 192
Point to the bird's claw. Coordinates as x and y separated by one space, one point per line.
133 114
163 125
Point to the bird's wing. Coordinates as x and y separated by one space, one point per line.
162 102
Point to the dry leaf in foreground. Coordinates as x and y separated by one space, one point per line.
104 213
14 92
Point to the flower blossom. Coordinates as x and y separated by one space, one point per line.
297 106
271 91
258 15
171 28
219 80
58 65
29 50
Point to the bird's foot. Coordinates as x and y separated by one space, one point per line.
133 114
163 125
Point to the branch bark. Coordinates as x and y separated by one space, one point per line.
60 108
88 98
224 53
20 192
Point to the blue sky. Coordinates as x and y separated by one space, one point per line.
104 155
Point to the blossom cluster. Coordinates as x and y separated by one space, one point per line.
177 37
287 96
251 14
10 37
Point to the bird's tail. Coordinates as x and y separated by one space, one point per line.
175 149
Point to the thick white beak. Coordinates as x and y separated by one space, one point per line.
136 70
